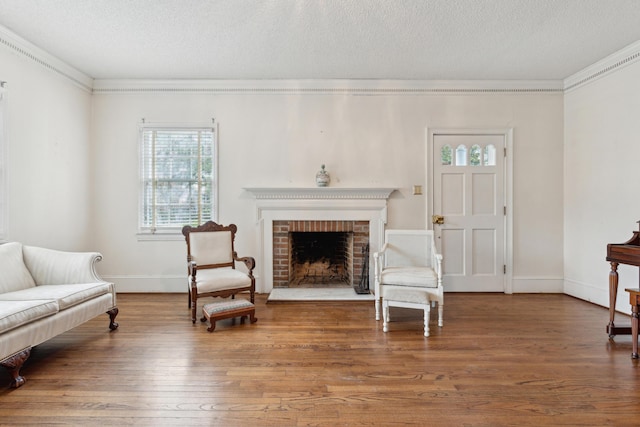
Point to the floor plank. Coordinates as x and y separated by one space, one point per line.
500 360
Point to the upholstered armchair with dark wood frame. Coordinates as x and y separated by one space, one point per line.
211 260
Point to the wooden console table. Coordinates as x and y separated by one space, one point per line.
634 300
620 253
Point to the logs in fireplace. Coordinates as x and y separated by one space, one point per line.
321 258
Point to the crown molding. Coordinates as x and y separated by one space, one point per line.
23 48
614 62
330 87
626 56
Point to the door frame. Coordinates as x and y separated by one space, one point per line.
507 134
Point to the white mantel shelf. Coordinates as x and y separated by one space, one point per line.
320 193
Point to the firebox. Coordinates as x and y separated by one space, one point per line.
320 254
320 259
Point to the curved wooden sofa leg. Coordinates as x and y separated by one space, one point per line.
113 325
14 363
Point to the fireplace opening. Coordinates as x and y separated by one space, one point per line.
325 239
321 259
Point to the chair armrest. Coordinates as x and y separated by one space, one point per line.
382 250
438 265
378 257
378 262
248 261
436 261
193 268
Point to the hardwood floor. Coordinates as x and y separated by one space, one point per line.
500 360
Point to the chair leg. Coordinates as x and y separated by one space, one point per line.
385 316
377 303
194 299
440 314
427 312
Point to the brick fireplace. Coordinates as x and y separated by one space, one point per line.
361 212
327 253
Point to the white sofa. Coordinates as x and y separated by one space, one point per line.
43 293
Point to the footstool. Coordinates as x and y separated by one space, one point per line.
227 309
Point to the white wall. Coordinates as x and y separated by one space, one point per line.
48 170
72 167
73 158
281 139
602 151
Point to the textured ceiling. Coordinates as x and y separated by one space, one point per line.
326 39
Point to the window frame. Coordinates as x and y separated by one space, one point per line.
4 204
173 232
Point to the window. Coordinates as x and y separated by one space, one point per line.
461 155
477 155
445 155
490 155
179 177
474 155
3 166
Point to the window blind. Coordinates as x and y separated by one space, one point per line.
178 178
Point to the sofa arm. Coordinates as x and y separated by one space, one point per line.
52 267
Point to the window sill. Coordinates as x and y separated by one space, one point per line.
145 237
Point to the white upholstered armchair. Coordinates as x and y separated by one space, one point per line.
408 273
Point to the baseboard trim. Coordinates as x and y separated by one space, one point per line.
173 283
148 284
537 285
152 283
597 295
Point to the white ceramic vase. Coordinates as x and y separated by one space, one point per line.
322 178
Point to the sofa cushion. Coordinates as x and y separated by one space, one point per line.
18 313
65 295
15 275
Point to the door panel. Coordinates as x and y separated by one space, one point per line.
452 240
483 193
452 194
484 251
468 190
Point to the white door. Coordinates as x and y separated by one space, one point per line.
469 197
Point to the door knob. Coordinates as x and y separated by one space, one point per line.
437 219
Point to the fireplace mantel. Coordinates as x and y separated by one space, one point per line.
315 204
281 193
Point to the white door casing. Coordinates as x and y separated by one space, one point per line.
472 193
